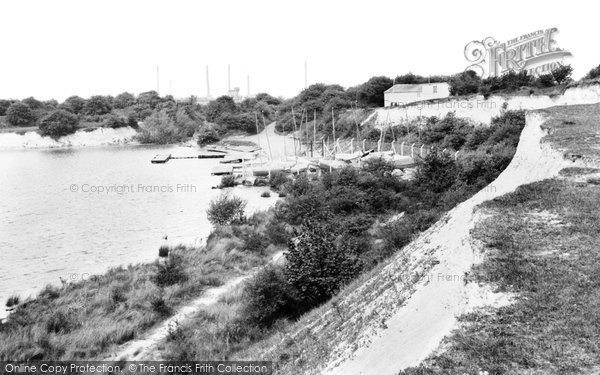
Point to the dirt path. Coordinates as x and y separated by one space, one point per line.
415 330
146 348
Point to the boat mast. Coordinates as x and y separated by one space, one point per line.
267 136
294 137
333 125
258 135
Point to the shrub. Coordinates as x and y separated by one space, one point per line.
437 172
255 242
594 73
317 265
207 134
562 74
277 180
160 307
227 181
4 104
73 104
545 80
464 83
226 210
59 322
169 272
58 123
265 194
269 298
97 105
276 232
19 114
115 121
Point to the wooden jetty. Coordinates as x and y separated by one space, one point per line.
160 158
163 158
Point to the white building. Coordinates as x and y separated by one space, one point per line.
404 94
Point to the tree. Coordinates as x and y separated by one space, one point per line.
4 104
123 100
58 123
33 103
149 99
222 105
73 104
226 210
98 105
371 92
562 74
264 97
594 73
19 114
464 83
317 265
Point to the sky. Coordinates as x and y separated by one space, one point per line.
54 49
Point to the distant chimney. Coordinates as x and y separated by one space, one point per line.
207 84
248 85
305 75
157 80
228 77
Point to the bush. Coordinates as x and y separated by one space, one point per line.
464 83
4 104
269 298
207 134
277 180
226 210
227 181
58 123
97 105
545 80
562 74
59 322
169 272
594 73
115 121
265 194
160 307
19 114
73 104
317 265
255 242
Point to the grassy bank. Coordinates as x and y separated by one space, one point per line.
88 319
540 243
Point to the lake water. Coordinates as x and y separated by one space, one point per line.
68 213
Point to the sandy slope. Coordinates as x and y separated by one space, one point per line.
416 329
82 138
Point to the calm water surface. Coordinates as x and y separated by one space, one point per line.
56 222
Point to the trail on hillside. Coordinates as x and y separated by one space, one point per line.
146 348
273 145
415 330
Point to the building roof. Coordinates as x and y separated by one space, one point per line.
412 87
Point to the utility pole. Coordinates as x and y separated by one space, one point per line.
248 78
228 78
207 83
157 80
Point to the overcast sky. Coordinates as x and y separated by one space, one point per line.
54 49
